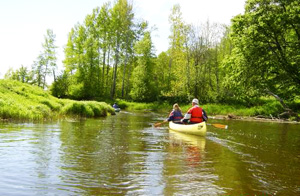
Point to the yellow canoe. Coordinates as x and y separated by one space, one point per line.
194 129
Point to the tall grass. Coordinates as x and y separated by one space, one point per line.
86 109
25 102
155 106
265 106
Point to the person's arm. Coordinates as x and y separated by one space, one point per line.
171 117
204 115
186 117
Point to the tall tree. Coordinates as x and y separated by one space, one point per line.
103 25
267 44
143 77
107 35
177 49
49 55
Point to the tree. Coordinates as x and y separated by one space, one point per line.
122 33
22 74
143 77
106 37
177 51
266 56
46 61
60 87
103 26
163 74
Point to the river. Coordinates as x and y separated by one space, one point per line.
125 155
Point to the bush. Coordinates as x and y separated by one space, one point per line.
21 101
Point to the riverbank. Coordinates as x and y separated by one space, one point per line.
19 101
267 109
253 118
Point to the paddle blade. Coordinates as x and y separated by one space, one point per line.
220 126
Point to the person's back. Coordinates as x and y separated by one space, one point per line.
196 114
175 115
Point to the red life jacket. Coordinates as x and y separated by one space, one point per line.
196 114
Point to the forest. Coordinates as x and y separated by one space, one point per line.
110 55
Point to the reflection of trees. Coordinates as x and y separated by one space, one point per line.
102 156
255 158
44 152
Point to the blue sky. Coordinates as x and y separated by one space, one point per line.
24 23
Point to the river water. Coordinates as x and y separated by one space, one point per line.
125 155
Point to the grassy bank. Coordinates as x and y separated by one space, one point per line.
266 107
21 101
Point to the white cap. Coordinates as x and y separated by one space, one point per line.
195 101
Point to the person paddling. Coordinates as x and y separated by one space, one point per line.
115 105
195 114
175 115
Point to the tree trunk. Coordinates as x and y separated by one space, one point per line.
124 73
279 99
113 90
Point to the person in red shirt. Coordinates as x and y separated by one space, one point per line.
195 114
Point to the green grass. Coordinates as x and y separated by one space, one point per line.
265 106
21 101
132 106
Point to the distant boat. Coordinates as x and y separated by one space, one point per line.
117 109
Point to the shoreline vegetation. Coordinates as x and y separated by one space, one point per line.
20 101
269 110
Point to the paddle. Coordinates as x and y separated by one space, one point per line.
219 126
159 123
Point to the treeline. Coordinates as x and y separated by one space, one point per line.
111 55
44 66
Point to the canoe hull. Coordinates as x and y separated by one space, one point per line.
194 129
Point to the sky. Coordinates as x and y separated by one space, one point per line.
24 23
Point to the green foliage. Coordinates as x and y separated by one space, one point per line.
22 74
60 87
21 101
154 106
86 109
107 35
142 81
266 54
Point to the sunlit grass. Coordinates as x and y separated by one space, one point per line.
265 106
21 101
86 108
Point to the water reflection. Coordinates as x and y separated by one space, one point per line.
125 155
186 168
192 145
266 158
